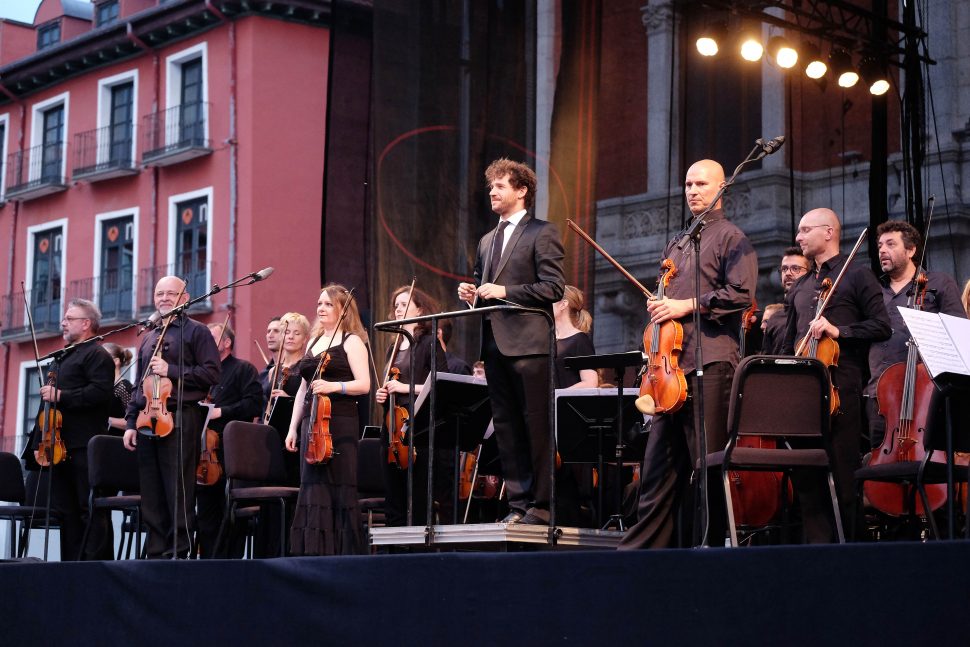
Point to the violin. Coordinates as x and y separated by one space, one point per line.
51 449
209 471
319 440
663 387
396 420
155 419
825 349
397 426
755 494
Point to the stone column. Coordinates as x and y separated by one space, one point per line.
548 50
663 115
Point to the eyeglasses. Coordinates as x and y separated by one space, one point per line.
792 269
75 318
804 229
170 294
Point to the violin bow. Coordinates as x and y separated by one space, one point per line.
397 341
629 277
922 257
346 307
828 297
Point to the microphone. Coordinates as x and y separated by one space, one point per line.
150 324
262 275
770 146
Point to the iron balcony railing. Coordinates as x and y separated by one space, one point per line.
103 152
46 305
197 278
176 132
36 171
113 291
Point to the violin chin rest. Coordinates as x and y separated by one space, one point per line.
646 405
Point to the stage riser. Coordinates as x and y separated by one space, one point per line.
886 594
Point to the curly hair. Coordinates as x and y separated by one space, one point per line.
519 176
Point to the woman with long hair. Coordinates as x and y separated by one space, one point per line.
573 326
327 520
122 389
286 384
395 478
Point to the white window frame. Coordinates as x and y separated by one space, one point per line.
4 161
173 215
105 86
21 393
173 84
99 218
37 131
31 232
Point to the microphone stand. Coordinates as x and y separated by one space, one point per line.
692 235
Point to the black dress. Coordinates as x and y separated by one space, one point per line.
327 520
119 403
280 420
578 345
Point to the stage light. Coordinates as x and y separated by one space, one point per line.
785 55
874 74
841 62
709 42
815 67
751 48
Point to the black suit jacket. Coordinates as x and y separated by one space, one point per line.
531 272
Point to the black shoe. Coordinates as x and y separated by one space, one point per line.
513 517
536 517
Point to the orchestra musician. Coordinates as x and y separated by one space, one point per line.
327 519
729 274
965 299
519 262
898 245
122 388
82 394
855 317
793 266
274 331
395 478
456 364
286 384
167 464
237 396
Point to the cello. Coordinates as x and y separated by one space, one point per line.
755 494
155 419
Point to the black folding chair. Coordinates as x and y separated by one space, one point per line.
22 498
113 479
252 454
783 398
371 456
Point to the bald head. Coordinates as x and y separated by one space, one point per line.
167 293
704 179
819 232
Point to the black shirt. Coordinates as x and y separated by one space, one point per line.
856 309
85 378
942 295
201 370
774 337
729 276
577 345
238 393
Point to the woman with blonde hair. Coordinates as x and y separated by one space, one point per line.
327 520
286 384
573 326
122 388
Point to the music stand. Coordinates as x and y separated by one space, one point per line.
585 421
462 414
619 363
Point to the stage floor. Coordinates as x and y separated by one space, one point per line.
859 594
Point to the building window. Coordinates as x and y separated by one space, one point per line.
31 403
121 124
106 13
45 293
117 265
3 154
191 244
191 115
53 144
48 35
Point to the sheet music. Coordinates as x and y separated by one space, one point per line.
942 340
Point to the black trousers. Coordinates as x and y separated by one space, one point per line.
519 390
665 510
166 469
69 497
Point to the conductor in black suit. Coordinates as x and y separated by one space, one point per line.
519 262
